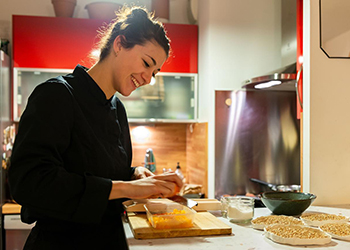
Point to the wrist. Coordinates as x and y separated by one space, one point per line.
118 190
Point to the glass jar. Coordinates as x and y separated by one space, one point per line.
237 209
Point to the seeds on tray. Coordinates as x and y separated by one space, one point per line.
340 229
319 219
262 221
294 231
322 217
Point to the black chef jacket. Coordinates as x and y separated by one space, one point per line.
71 143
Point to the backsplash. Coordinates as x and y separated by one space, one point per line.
167 140
172 143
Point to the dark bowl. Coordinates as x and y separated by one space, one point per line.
287 203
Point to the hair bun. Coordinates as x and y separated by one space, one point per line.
139 13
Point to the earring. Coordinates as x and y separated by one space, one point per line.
116 54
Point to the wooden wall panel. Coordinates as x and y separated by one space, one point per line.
197 155
172 143
168 142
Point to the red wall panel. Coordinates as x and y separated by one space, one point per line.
62 43
52 42
184 46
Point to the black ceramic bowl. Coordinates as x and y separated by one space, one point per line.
287 203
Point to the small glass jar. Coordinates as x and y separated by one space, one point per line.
237 209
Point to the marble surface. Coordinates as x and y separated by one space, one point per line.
243 237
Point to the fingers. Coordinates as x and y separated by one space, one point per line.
148 173
170 177
168 184
142 172
154 186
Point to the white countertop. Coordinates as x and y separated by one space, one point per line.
243 237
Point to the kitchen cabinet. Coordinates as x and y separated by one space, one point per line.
15 231
24 82
172 97
45 47
61 43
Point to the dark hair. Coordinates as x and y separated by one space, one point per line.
137 26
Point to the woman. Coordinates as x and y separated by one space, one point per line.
71 162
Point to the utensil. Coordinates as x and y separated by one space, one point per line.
287 203
283 188
137 204
184 201
203 204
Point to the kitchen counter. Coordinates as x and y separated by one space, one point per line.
11 208
243 237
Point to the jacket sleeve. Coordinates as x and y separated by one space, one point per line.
124 125
37 175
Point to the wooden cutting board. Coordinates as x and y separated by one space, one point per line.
204 224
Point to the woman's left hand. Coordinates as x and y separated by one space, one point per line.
141 172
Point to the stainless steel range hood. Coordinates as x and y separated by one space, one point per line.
285 77
282 79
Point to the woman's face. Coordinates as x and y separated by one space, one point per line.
135 67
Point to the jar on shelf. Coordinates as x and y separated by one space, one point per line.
64 8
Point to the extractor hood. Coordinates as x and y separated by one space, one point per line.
282 79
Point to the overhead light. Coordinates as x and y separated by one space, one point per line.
267 84
300 59
282 79
140 134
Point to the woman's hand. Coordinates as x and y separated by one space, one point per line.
163 185
141 172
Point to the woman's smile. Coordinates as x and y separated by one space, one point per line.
136 83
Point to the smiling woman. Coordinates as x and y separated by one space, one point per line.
134 47
71 160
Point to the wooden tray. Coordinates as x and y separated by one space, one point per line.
204 224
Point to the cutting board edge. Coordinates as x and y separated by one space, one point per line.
194 233
149 233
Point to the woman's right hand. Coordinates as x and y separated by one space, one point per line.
163 185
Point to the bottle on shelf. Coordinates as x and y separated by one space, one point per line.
150 162
178 171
